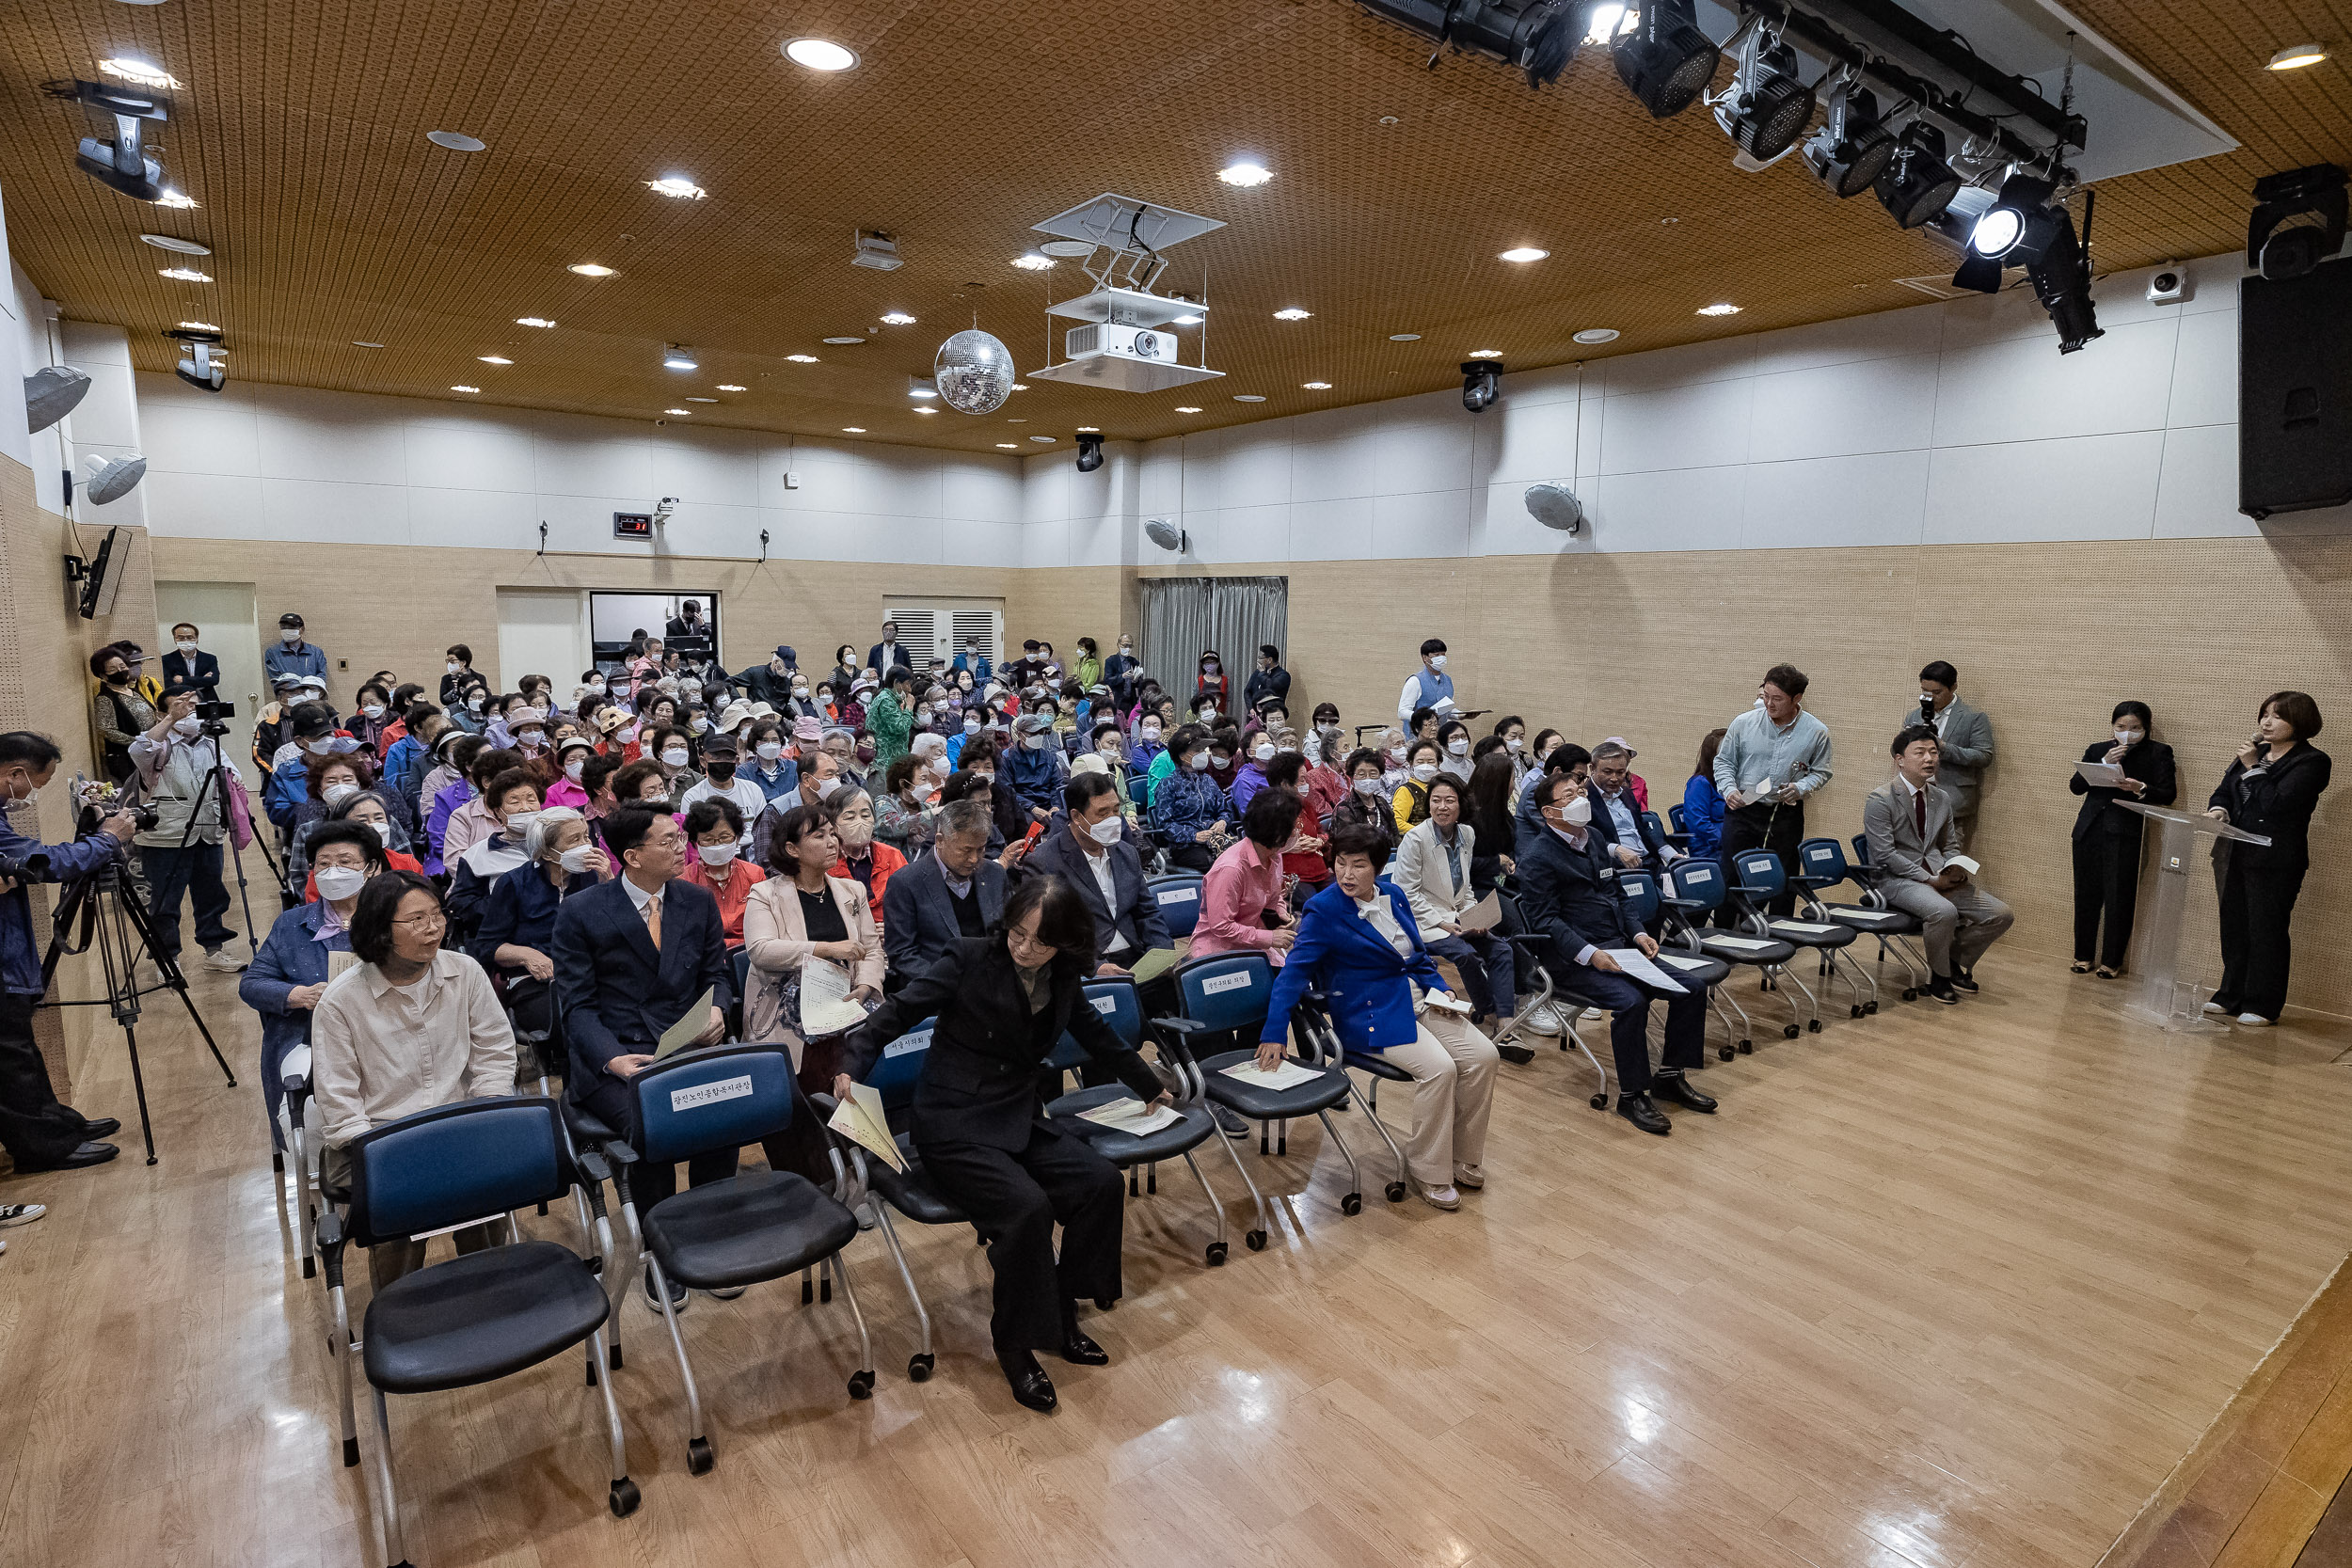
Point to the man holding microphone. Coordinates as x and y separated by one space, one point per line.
1772 756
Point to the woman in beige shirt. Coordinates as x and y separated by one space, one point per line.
798 914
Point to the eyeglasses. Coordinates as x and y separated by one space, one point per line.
424 922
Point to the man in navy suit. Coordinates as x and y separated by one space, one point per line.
1569 891
188 668
954 891
631 954
887 654
1092 855
1617 817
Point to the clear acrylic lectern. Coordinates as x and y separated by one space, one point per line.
2168 997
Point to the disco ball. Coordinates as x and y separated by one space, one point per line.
974 373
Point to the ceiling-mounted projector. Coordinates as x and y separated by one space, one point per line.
110 479
198 366
50 394
1555 506
1167 535
1128 342
119 162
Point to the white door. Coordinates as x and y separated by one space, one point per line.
542 631
227 628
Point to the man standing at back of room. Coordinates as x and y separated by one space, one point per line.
1772 757
1428 687
1964 737
293 656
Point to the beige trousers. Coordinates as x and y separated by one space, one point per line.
1454 1087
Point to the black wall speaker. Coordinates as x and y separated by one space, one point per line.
2295 391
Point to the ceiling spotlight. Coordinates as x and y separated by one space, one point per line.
2011 230
1768 105
1089 429
357 344
1405 337
1718 310
2295 56
852 430
1522 254
1481 381
131 69
926 409
1019 386
1033 261
532 321
731 387
494 358
1186 408
1598 335
1666 62
1291 313
1316 386
897 318
1485 354
2060 277
1009 446
457 141
1244 175
178 201
119 162
802 359
677 185
1535 36
200 326
1089 451
465 389
1852 148
1188 320
591 269
820 53
678 413
184 275
2317 190
677 356
1917 184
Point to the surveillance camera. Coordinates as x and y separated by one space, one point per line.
2171 285
658 423
670 502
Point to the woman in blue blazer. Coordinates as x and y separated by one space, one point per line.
1358 945
287 976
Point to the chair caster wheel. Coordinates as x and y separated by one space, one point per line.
1103 1303
1789 1032
1255 1239
1518 1055
1747 1048
1812 1025
919 1366
1910 993
1352 1204
699 1459
1600 1100
1724 1054
1870 1008
1855 1011
1395 1192
861 1384
625 1498
351 1451
1216 1255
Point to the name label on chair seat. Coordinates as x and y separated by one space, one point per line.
1179 895
1105 1005
710 1093
1224 983
908 1044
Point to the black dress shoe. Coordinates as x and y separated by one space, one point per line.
1682 1092
1030 1386
105 1126
677 1295
89 1154
1229 1121
1076 1348
1940 989
1963 980
1637 1109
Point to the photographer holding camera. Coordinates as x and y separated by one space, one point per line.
181 849
39 1133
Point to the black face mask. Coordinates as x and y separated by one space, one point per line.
718 772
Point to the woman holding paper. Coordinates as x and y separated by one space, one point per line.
997 1006
1359 944
2271 788
2106 835
801 913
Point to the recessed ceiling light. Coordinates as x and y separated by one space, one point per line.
852 430
2296 56
820 53
200 326
465 389
1184 321
1245 175
1718 310
802 359
1248 397
1043 440
1016 421
1066 250
1523 253
1020 386
532 321
1485 354
132 69
731 387
677 356
923 390
357 344
678 413
1316 386
845 341
494 358
1405 337
677 185
174 244
1033 261
702 400
1186 408
1010 445
176 201
589 269
457 141
924 408
1089 430
185 275
1598 335
1291 313
897 318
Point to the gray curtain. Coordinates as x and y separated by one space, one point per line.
1182 616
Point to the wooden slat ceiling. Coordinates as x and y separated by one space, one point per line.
301 131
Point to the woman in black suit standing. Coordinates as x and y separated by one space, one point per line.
1002 1002
2271 788
2106 836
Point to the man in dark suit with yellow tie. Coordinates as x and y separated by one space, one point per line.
1912 839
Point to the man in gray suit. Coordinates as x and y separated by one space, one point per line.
1964 736
954 891
1913 839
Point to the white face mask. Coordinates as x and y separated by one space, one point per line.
518 824
1197 762
597 688
826 787
376 829
1034 742
1264 751
574 768
770 750
1436 661
941 767
1577 812
923 715
575 860
1424 771
971 725
533 742
1515 744
1369 786
675 756
290 635
188 728
717 855
186 647
1107 830
1457 747
374 710
338 882
1149 732
989 778
2124 738
336 794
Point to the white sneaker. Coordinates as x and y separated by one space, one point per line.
21 1213
1469 1176
2256 1021
1545 1020
1440 1197
1592 1015
727 1292
223 960
2216 1007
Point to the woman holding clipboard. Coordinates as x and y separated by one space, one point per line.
2106 835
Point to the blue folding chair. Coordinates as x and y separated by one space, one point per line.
1122 1008
1676 837
1179 896
1697 888
1530 948
1758 879
1640 891
483 1315
1821 863
908 1191
752 1227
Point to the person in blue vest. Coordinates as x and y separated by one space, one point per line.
1428 687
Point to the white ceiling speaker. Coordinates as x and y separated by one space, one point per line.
1555 506
50 394
1167 535
110 479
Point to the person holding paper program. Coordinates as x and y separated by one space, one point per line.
803 912
2106 836
999 1005
1359 944
1772 759
1915 841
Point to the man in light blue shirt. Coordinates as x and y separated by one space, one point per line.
1772 756
293 656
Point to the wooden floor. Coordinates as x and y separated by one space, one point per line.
1946 1288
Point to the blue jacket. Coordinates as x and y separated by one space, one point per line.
19 961
1185 802
1367 983
1703 816
979 664
786 779
616 990
1035 776
521 909
289 956
303 658
289 787
405 767
1571 895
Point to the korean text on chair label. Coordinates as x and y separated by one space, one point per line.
711 1094
1180 895
1224 982
1105 1005
910 1043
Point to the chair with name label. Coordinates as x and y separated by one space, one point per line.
1695 889
1678 957
1758 879
906 1188
1529 948
1179 896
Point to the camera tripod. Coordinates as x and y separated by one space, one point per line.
216 788
113 918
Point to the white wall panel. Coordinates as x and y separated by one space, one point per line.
1838 410
1874 498
2024 390
2075 487
1671 509
471 454
1700 426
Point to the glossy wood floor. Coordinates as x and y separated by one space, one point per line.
1947 1287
